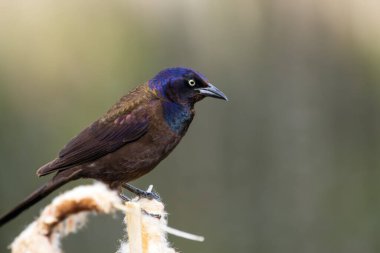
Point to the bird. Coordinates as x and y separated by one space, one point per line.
131 138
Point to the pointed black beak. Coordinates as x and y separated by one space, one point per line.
212 91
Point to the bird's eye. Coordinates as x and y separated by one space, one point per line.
191 82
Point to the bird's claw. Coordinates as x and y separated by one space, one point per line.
149 195
141 193
124 197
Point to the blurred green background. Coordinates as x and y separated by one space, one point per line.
290 164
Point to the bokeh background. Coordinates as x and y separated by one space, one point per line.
290 164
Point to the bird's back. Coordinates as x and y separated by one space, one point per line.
124 122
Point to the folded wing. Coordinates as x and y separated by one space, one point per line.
97 140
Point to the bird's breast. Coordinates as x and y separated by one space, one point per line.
139 157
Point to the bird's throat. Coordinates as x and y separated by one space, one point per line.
177 116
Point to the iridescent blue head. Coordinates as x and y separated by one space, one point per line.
183 86
180 89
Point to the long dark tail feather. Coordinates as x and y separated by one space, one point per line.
56 182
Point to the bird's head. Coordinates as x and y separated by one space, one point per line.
183 86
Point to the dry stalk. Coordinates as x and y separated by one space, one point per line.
146 230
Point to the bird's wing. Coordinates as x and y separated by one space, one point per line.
99 139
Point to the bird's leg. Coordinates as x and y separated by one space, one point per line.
141 193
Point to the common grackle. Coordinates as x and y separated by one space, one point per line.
131 138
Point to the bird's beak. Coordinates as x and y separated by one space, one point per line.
212 91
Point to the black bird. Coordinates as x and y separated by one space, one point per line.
130 140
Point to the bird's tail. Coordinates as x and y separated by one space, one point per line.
57 181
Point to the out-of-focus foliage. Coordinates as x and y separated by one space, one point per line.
290 164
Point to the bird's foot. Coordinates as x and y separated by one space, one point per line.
149 194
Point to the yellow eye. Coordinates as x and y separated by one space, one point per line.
191 82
